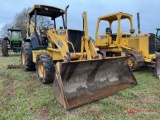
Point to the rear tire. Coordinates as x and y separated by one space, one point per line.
4 48
45 68
26 57
157 65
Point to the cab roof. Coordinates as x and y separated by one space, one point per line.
12 29
45 10
113 17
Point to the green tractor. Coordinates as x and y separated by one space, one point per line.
13 42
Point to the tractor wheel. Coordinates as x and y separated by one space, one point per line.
4 48
132 63
157 65
26 57
45 68
100 55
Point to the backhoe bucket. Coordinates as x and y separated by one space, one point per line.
157 65
80 82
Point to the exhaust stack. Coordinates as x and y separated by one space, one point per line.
66 16
138 21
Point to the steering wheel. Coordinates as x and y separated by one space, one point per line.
50 26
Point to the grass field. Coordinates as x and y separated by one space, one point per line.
23 97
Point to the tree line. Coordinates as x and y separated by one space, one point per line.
19 22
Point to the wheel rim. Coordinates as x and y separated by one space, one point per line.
23 58
40 69
132 63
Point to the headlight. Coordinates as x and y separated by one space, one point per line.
99 37
103 37
61 32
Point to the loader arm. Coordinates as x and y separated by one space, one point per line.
87 44
60 43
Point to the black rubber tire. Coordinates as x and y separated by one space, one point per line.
100 55
157 65
26 57
4 48
48 72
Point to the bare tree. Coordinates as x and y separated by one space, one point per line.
20 19
43 21
4 30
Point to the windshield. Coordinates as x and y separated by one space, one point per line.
158 34
44 23
125 26
16 34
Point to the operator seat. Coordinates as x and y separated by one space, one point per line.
43 36
108 31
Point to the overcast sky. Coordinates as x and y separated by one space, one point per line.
149 11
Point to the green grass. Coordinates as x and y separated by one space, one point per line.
23 97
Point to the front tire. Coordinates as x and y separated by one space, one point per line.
45 68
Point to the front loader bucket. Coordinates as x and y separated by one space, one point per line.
80 82
157 65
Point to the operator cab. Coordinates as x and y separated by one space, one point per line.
15 33
103 40
39 39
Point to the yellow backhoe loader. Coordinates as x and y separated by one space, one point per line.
140 47
69 58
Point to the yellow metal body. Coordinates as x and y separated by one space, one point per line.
138 43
